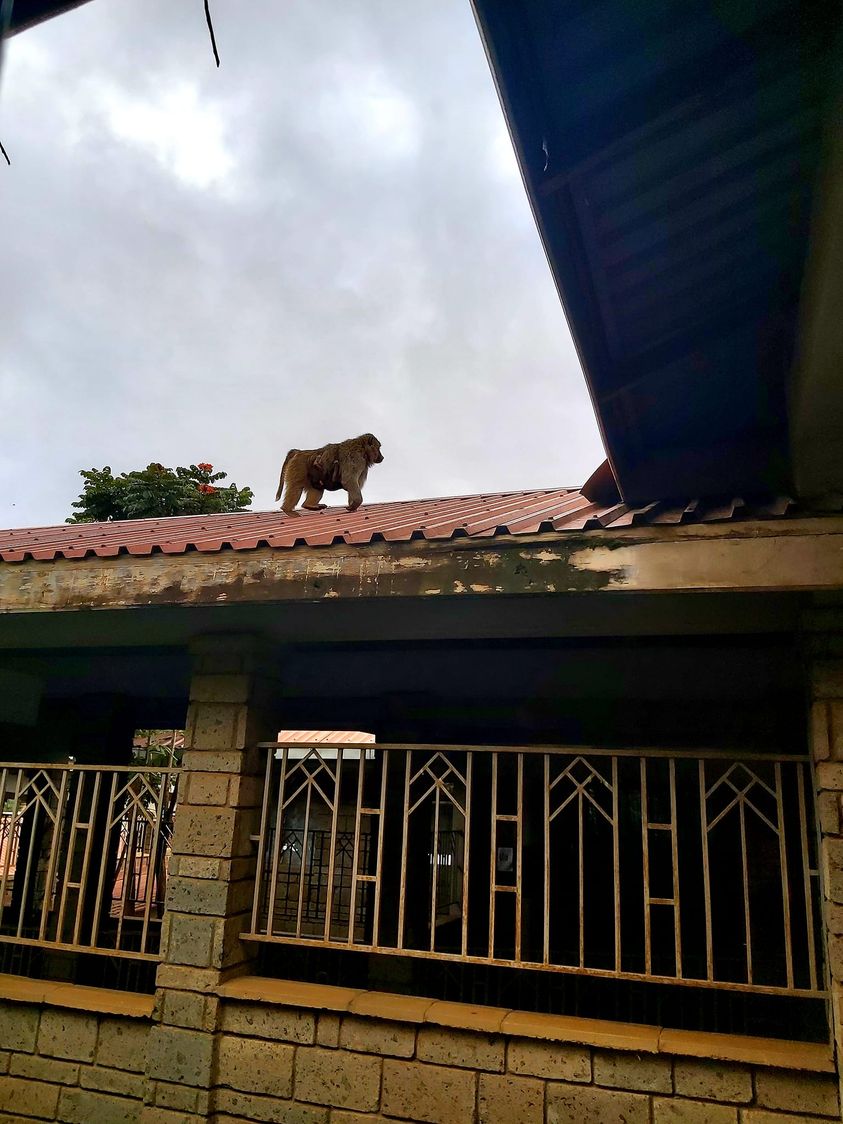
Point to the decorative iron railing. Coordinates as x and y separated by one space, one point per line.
695 869
84 852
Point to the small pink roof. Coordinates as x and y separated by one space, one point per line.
500 513
331 737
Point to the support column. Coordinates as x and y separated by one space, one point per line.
233 706
824 650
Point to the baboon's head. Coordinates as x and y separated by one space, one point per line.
373 448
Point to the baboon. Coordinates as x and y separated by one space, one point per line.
314 471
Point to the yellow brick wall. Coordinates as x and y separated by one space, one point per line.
79 1067
267 1063
322 1068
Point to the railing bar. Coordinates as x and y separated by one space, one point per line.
6 834
101 880
83 877
332 855
493 850
355 859
519 843
24 897
418 803
788 936
546 934
616 861
64 946
466 849
129 853
68 863
581 865
304 869
674 849
740 799
262 842
709 950
37 766
58 827
531 965
379 856
12 825
806 878
745 878
276 845
313 783
151 864
434 879
573 751
645 860
402 888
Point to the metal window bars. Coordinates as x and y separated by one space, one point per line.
84 853
689 868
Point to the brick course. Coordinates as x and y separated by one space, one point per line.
256 1062
332 1077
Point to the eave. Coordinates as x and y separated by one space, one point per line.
676 161
28 13
800 555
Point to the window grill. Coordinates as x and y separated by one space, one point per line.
694 869
84 853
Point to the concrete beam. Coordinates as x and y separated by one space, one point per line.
793 555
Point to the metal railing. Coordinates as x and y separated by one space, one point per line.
688 868
84 853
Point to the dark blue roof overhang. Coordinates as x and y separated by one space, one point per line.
672 155
27 13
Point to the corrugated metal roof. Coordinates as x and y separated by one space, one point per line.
329 737
504 513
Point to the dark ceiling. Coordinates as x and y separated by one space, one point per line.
672 154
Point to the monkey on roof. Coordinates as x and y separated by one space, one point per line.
314 471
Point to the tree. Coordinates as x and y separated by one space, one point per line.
155 492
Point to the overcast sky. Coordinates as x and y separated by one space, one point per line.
325 236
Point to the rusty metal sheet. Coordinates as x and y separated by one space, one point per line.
443 519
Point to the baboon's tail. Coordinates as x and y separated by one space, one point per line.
281 477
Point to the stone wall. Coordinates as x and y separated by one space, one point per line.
69 1065
271 1062
827 751
346 1069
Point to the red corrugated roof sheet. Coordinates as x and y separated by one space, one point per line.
330 737
510 513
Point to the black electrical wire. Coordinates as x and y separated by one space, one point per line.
5 22
211 32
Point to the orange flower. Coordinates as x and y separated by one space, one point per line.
207 489
205 467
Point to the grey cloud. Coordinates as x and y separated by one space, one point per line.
366 261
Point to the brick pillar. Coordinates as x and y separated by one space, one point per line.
824 649
233 703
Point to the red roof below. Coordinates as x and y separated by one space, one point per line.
511 513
